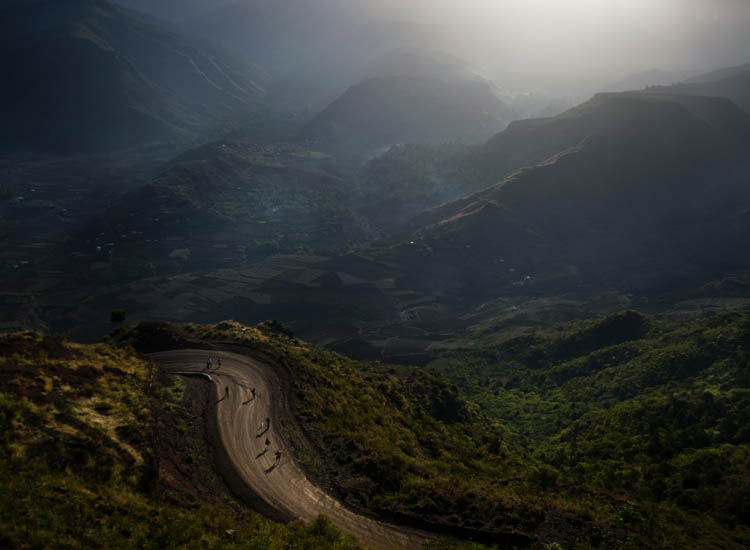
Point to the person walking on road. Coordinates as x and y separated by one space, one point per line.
253 392
267 425
208 363
227 392
278 457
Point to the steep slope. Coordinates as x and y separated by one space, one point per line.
84 75
380 112
99 451
528 142
318 45
644 189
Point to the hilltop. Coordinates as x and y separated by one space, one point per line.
384 111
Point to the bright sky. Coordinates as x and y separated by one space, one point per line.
597 38
550 43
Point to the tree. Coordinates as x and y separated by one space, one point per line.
117 317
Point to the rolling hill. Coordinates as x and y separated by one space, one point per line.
84 75
636 196
229 202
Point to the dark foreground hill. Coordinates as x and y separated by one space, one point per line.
98 450
83 75
617 433
380 112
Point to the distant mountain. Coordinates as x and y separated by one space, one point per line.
380 112
284 36
317 47
418 62
630 190
732 83
527 142
84 75
652 77
720 74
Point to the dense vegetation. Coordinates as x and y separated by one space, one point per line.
76 460
654 411
595 437
624 432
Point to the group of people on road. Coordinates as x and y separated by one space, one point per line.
265 426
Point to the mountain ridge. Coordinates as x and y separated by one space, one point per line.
90 76
382 111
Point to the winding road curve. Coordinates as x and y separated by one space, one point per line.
281 487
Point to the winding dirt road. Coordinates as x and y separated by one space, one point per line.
280 487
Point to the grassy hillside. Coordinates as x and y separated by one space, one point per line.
483 447
616 433
78 467
652 410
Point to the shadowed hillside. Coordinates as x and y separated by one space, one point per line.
246 201
89 77
528 142
644 188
